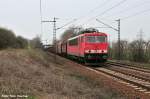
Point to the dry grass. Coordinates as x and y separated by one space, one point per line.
34 73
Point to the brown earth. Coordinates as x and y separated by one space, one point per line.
34 73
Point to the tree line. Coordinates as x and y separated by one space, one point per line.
8 39
137 50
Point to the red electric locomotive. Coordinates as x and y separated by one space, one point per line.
88 47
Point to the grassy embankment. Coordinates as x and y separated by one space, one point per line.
34 73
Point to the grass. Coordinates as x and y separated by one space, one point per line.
31 97
36 74
79 77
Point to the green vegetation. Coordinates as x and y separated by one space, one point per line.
36 42
10 40
31 97
7 38
21 42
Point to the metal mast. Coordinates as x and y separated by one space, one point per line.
54 33
118 30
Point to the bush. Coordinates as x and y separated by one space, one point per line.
9 40
21 42
36 42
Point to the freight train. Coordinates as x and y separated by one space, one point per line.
89 47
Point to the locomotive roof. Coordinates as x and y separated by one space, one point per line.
89 34
95 33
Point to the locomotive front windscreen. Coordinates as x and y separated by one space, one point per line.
96 39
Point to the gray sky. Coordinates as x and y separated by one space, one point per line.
23 16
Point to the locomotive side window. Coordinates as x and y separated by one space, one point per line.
73 42
96 39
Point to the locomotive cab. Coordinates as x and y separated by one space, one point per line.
96 46
88 47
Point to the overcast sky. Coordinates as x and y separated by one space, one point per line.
23 16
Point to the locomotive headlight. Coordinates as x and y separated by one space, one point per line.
105 51
87 51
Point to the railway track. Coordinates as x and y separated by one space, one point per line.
135 82
136 77
137 73
129 64
142 69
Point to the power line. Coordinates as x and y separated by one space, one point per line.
108 26
107 10
99 6
66 24
128 9
91 11
135 14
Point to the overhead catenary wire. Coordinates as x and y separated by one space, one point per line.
107 10
66 24
135 14
74 20
129 8
92 10
99 6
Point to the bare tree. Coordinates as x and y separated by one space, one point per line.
70 32
113 51
137 50
147 51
